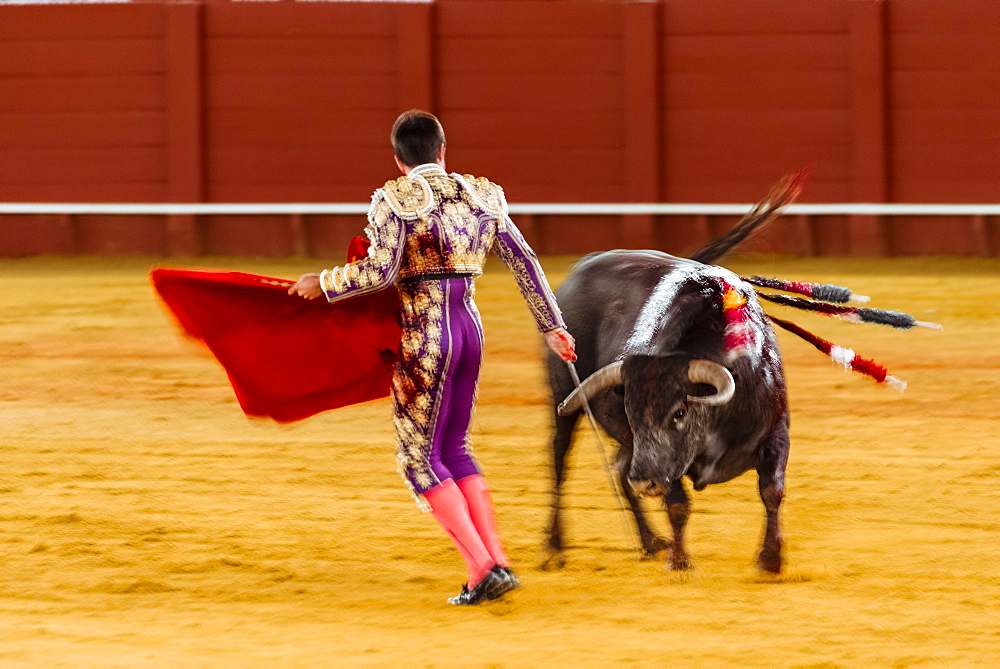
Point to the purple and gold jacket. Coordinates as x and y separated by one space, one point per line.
432 223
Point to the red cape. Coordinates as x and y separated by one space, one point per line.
287 358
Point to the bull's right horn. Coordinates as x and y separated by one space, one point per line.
605 377
715 375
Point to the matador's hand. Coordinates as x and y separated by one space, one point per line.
562 344
307 286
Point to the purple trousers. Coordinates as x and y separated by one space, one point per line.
436 380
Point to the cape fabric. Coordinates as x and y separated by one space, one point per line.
287 358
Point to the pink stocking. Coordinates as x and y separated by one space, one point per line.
449 508
477 495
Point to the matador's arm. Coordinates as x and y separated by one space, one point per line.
524 265
378 270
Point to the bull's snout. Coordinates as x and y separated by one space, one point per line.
647 487
646 475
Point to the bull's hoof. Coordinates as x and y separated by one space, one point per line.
552 559
770 561
679 562
656 548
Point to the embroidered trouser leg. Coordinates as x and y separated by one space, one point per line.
436 379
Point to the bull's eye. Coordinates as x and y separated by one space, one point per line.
679 414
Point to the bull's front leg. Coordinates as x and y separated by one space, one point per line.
771 462
652 544
678 511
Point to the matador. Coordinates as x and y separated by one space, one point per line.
430 234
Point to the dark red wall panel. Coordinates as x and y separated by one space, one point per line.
69 22
247 236
111 235
752 92
68 94
82 103
328 236
299 100
532 95
35 235
945 90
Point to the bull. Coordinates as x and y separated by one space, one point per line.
682 370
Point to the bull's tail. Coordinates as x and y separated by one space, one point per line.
762 213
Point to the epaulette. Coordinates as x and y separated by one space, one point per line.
489 195
408 197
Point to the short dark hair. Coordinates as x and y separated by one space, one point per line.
416 137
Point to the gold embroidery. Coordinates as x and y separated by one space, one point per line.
543 308
409 197
489 195
442 183
457 233
416 379
381 265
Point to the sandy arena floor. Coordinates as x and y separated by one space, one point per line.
145 522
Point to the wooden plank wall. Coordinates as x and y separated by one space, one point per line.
299 102
560 101
753 91
943 119
83 115
532 94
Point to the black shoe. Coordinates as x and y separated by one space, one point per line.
507 582
495 584
461 598
509 573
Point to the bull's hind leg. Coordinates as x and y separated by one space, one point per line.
652 544
771 462
562 438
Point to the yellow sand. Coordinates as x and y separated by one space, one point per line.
145 522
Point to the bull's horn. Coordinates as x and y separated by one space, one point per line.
605 377
715 375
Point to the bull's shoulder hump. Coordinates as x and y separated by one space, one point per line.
627 255
627 258
632 265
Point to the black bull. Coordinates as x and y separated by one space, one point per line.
650 334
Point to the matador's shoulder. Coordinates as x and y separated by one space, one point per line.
407 197
489 195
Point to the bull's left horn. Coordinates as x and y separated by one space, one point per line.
605 377
715 375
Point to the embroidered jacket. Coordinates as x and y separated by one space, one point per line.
429 223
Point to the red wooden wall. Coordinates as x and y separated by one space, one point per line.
673 101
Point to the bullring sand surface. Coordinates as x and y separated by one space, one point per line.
145 522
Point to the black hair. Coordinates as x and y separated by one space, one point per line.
416 137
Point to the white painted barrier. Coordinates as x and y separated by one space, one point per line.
578 209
